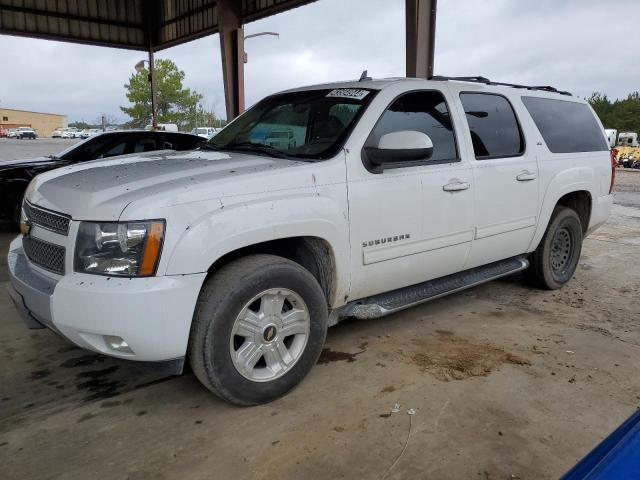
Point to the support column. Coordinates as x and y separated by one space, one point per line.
232 50
153 85
420 37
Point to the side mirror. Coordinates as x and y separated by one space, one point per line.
402 146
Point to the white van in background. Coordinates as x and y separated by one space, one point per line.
204 132
628 139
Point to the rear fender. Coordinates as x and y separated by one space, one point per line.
567 181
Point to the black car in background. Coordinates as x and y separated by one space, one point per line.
15 175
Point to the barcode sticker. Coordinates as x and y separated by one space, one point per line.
354 93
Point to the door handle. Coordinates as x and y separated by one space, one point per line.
456 186
526 176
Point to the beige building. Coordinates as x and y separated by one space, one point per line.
43 123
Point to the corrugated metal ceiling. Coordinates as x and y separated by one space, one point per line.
132 24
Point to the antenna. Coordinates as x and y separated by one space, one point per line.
364 77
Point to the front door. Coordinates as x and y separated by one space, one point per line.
505 175
412 222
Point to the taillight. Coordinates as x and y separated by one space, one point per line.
614 165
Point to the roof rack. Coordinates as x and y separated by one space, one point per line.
486 81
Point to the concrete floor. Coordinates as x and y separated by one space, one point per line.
506 382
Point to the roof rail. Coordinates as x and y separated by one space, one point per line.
486 81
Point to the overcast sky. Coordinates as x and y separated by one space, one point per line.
576 45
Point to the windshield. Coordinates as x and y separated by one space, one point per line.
309 124
201 130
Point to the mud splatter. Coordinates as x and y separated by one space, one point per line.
449 357
83 361
329 355
98 383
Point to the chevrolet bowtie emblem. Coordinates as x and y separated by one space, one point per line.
25 227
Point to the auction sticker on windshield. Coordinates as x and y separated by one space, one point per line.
355 93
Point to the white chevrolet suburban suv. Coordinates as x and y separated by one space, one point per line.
239 255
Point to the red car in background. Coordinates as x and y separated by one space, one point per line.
3 133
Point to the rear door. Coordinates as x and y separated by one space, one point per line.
505 176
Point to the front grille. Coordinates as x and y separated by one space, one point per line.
45 254
56 222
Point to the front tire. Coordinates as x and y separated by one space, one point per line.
258 329
555 260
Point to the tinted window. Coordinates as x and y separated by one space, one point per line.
424 112
182 142
144 145
117 149
493 125
566 126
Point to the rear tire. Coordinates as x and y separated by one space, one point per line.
258 329
555 260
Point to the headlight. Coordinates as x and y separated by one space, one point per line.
127 249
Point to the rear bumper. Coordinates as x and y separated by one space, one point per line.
152 315
600 211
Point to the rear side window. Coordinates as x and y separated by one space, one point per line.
493 125
566 127
144 145
424 112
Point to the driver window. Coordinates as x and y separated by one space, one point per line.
424 112
117 149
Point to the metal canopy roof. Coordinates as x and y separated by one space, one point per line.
132 24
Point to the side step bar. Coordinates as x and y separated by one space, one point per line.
396 300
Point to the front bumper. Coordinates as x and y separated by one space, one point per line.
152 315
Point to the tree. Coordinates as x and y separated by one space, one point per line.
174 102
201 117
621 114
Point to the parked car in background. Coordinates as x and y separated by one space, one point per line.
12 133
68 134
57 133
164 127
239 256
204 132
3 133
27 132
89 132
281 139
71 132
15 175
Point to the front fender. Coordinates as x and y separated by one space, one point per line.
567 181
233 226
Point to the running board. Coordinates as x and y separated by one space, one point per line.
396 300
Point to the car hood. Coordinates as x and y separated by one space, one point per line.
30 162
101 190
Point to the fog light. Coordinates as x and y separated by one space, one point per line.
117 343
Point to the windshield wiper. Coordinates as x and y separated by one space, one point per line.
255 147
208 146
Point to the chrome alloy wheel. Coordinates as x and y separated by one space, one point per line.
269 335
